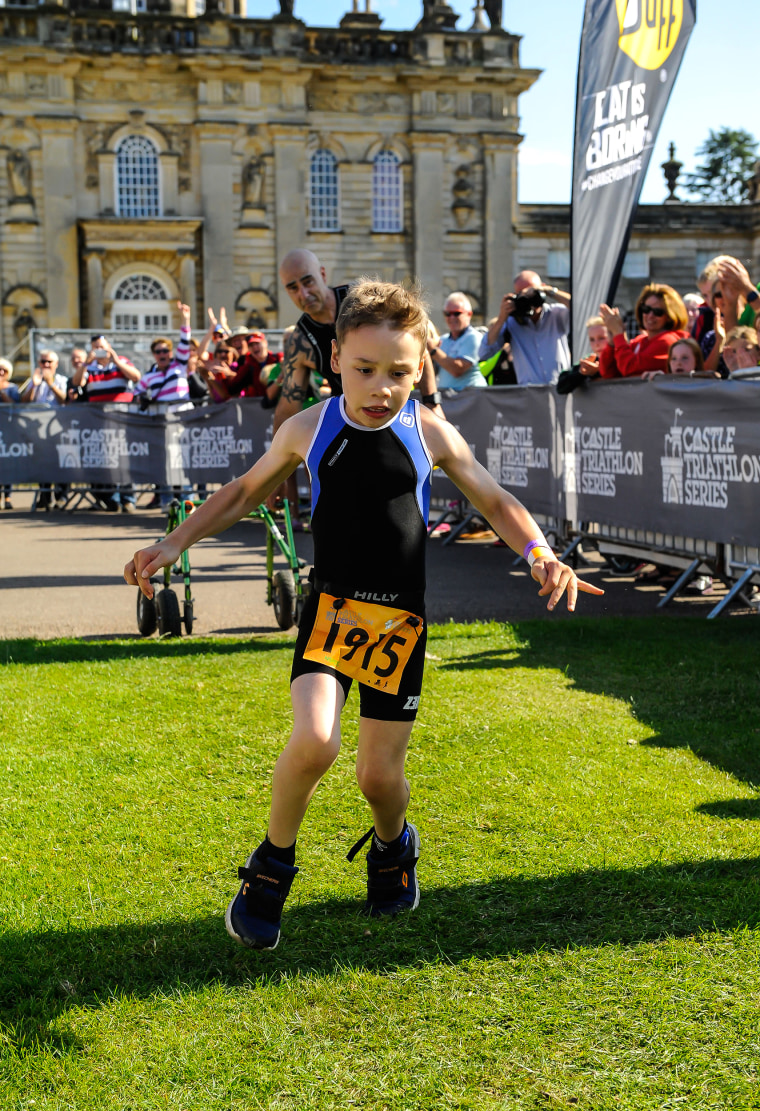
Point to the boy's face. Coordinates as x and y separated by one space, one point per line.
379 367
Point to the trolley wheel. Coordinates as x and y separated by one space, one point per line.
147 619
169 622
187 617
284 598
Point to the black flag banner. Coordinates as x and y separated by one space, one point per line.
630 54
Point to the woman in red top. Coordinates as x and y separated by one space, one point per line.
662 315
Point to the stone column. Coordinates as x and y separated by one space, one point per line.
169 161
218 207
500 200
95 289
59 169
427 206
290 177
107 181
187 281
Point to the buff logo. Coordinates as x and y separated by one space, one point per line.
649 30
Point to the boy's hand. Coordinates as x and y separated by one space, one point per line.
147 561
556 578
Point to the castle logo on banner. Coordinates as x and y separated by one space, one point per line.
699 462
595 455
511 453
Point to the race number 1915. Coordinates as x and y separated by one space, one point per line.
369 643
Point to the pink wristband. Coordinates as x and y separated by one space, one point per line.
541 543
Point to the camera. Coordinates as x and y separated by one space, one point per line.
526 300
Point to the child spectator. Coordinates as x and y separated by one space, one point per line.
742 349
371 453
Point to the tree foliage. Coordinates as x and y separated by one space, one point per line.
723 177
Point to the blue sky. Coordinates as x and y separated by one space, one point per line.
715 86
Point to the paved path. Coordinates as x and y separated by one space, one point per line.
61 575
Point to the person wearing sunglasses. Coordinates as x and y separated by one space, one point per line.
662 317
456 353
167 379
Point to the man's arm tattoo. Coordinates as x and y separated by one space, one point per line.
295 378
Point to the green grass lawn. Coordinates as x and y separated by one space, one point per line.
589 929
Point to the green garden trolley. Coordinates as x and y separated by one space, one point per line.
287 588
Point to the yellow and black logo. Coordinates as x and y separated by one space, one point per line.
649 30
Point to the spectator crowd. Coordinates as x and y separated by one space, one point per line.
714 332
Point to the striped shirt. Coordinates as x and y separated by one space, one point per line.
105 382
169 384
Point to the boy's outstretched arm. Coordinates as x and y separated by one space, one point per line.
228 505
506 515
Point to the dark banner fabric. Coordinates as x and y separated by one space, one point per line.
675 455
630 54
513 432
671 455
108 444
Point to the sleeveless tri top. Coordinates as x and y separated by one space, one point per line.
370 495
320 336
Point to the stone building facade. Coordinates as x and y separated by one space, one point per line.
160 157
168 155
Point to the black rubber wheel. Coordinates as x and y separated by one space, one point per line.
284 598
187 617
169 621
147 618
622 565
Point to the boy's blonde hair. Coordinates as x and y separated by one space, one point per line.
370 301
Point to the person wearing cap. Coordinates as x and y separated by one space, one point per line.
253 355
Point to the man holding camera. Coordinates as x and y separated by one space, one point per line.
536 329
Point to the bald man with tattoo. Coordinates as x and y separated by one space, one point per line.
309 348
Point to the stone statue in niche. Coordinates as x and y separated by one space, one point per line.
253 184
462 191
23 325
19 178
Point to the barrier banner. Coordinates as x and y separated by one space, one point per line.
675 455
111 444
630 54
513 432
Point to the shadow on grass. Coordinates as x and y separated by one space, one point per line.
44 973
697 685
99 650
745 809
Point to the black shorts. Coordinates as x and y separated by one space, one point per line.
372 703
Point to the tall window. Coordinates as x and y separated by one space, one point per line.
140 304
137 187
324 200
387 193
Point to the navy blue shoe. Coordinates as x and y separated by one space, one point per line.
392 881
253 917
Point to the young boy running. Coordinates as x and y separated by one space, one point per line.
370 454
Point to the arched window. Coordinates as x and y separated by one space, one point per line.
324 200
387 192
140 304
137 183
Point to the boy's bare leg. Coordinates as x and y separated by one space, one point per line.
311 750
380 773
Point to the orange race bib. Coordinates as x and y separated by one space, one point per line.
369 643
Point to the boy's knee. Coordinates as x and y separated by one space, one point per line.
376 783
315 751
